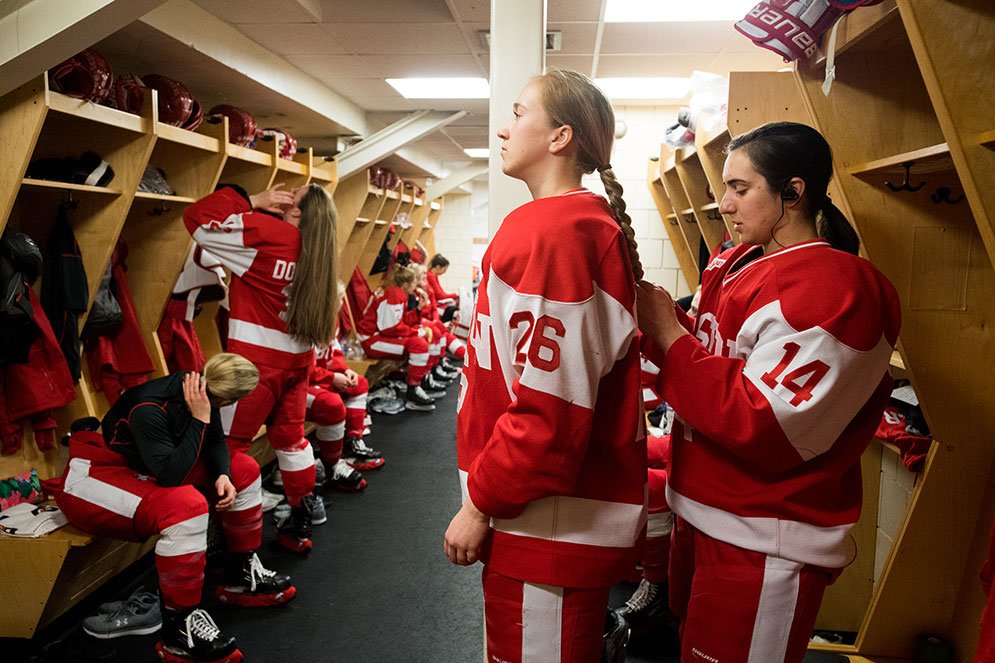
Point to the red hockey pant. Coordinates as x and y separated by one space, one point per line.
531 623
103 496
337 415
764 607
414 348
279 401
660 520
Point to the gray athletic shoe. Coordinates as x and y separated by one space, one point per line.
281 514
139 615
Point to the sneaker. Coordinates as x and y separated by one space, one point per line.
248 583
615 637
359 456
270 500
318 514
417 399
139 615
294 531
191 635
347 479
276 478
114 606
647 609
393 406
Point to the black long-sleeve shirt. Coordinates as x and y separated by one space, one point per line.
153 428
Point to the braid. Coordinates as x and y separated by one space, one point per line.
614 191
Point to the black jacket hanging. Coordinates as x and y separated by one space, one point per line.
65 291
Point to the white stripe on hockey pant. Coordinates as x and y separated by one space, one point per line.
295 461
227 417
330 433
830 547
273 339
455 345
249 497
224 240
183 538
80 484
396 349
356 402
776 611
574 520
542 623
309 400
418 359
649 395
659 524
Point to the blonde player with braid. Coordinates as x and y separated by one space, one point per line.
551 446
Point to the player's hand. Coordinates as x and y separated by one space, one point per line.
195 394
340 382
657 315
465 535
353 377
226 492
274 199
428 334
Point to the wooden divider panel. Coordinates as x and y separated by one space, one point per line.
665 209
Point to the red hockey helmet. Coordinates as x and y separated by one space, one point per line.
241 126
127 94
175 100
196 117
288 144
85 75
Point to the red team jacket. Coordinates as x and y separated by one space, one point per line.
550 435
777 395
385 315
261 252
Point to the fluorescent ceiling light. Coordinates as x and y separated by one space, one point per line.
478 152
645 88
654 11
441 88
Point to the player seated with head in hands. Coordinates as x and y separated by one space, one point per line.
157 465
778 387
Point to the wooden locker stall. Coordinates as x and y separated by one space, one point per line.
910 123
688 260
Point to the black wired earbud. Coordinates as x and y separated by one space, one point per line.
788 193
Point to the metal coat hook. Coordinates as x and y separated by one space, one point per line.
689 218
942 195
160 210
713 216
71 203
904 186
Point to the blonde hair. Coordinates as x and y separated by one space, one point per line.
571 98
313 303
230 376
402 274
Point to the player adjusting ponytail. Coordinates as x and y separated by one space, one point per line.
313 302
780 151
571 98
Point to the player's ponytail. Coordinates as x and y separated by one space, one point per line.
313 302
571 98
780 151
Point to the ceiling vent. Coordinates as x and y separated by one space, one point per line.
554 40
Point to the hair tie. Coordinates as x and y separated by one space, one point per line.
603 168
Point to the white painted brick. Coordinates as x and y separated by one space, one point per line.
669 257
682 289
640 223
882 547
651 253
892 506
889 463
656 228
904 477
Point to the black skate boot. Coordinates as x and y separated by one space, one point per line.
248 583
295 530
417 399
615 638
359 456
647 609
191 636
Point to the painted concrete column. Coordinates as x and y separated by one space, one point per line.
518 52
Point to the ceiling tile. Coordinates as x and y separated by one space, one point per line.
400 38
581 63
473 10
634 38
398 66
374 104
363 87
760 60
637 66
573 10
333 67
258 11
294 38
385 11
577 37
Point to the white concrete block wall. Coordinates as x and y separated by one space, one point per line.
897 485
454 239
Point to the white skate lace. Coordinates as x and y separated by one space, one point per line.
361 446
341 469
421 392
642 597
257 570
200 624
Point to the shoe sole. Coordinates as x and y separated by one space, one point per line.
144 630
164 654
346 488
229 597
292 543
423 408
366 465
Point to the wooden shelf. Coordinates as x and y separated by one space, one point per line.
86 110
250 155
987 139
435 205
672 216
717 138
933 159
872 26
146 195
288 166
897 361
69 186
687 211
709 206
426 224
380 222
189 138
360 220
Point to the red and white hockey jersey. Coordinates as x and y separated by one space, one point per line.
550 435
261 252
328 360
385 315
777 395
436 288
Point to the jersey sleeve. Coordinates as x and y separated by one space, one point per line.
216 456
791 397
436 287
554 354
391 315
168 460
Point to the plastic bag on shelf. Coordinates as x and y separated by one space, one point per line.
709 103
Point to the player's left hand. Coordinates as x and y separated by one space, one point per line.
465 535
657 317
226 492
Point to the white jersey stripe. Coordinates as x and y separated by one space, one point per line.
183 538
776 611
273 339
542 623
225 239
80 484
